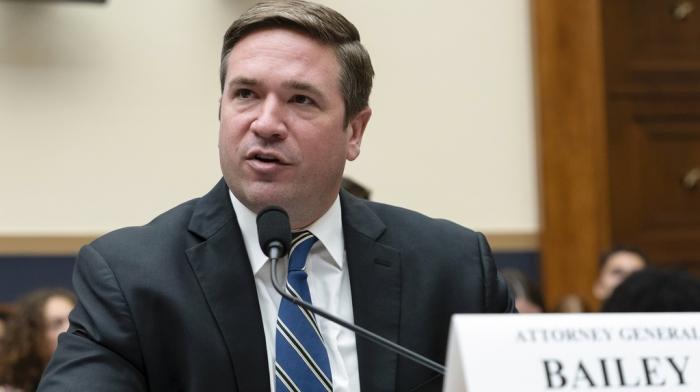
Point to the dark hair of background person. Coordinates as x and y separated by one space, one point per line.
528 298
24 351
355 188
656 290
605 256
321 23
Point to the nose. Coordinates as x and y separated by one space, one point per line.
269 123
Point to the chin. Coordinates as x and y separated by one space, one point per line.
261 197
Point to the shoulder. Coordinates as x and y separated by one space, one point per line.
442 258
407 223
139 256
411 232
178 228
169 226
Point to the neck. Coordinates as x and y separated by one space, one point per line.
300 220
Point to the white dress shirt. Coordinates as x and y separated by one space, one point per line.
329 284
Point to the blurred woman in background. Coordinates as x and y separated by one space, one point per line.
31 336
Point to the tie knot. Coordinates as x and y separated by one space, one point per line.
301 245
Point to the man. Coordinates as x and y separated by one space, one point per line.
356 189
186 303
615 266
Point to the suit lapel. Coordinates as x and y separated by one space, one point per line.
223 269
375 280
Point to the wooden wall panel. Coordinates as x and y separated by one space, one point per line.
652 61
572 145
70 245
655 151
651 46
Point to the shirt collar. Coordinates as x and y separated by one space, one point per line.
328 229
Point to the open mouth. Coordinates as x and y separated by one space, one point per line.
266 158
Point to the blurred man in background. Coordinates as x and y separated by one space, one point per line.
615 266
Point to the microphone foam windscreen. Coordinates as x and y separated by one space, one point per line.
273 225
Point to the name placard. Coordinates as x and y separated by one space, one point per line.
574 352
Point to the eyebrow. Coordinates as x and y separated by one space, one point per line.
242 81
303 86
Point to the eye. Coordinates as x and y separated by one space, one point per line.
243 93
302 100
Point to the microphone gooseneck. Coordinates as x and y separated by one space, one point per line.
274 233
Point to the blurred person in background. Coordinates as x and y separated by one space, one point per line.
4 314
355 188
615 266
656 290
528 298
31 336
571 303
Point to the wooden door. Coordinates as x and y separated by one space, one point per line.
618 94
652 63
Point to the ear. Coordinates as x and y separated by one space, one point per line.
220 98
355 131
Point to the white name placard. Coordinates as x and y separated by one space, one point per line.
574 352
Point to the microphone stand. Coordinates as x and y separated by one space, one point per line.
388 344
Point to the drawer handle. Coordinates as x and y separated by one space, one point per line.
691 179
682 9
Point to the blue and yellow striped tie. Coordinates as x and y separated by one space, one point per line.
301 360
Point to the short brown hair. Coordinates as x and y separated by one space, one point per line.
321 23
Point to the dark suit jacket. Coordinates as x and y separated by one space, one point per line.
172 306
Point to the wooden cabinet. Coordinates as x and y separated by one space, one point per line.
654 152
652 83
651 46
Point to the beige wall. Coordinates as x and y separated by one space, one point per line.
108 113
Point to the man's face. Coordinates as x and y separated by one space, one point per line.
282 140
616 269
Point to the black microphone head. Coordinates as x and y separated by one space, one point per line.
273 227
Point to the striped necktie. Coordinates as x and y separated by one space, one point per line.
301 360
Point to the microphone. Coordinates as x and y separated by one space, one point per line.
275 236
274 232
